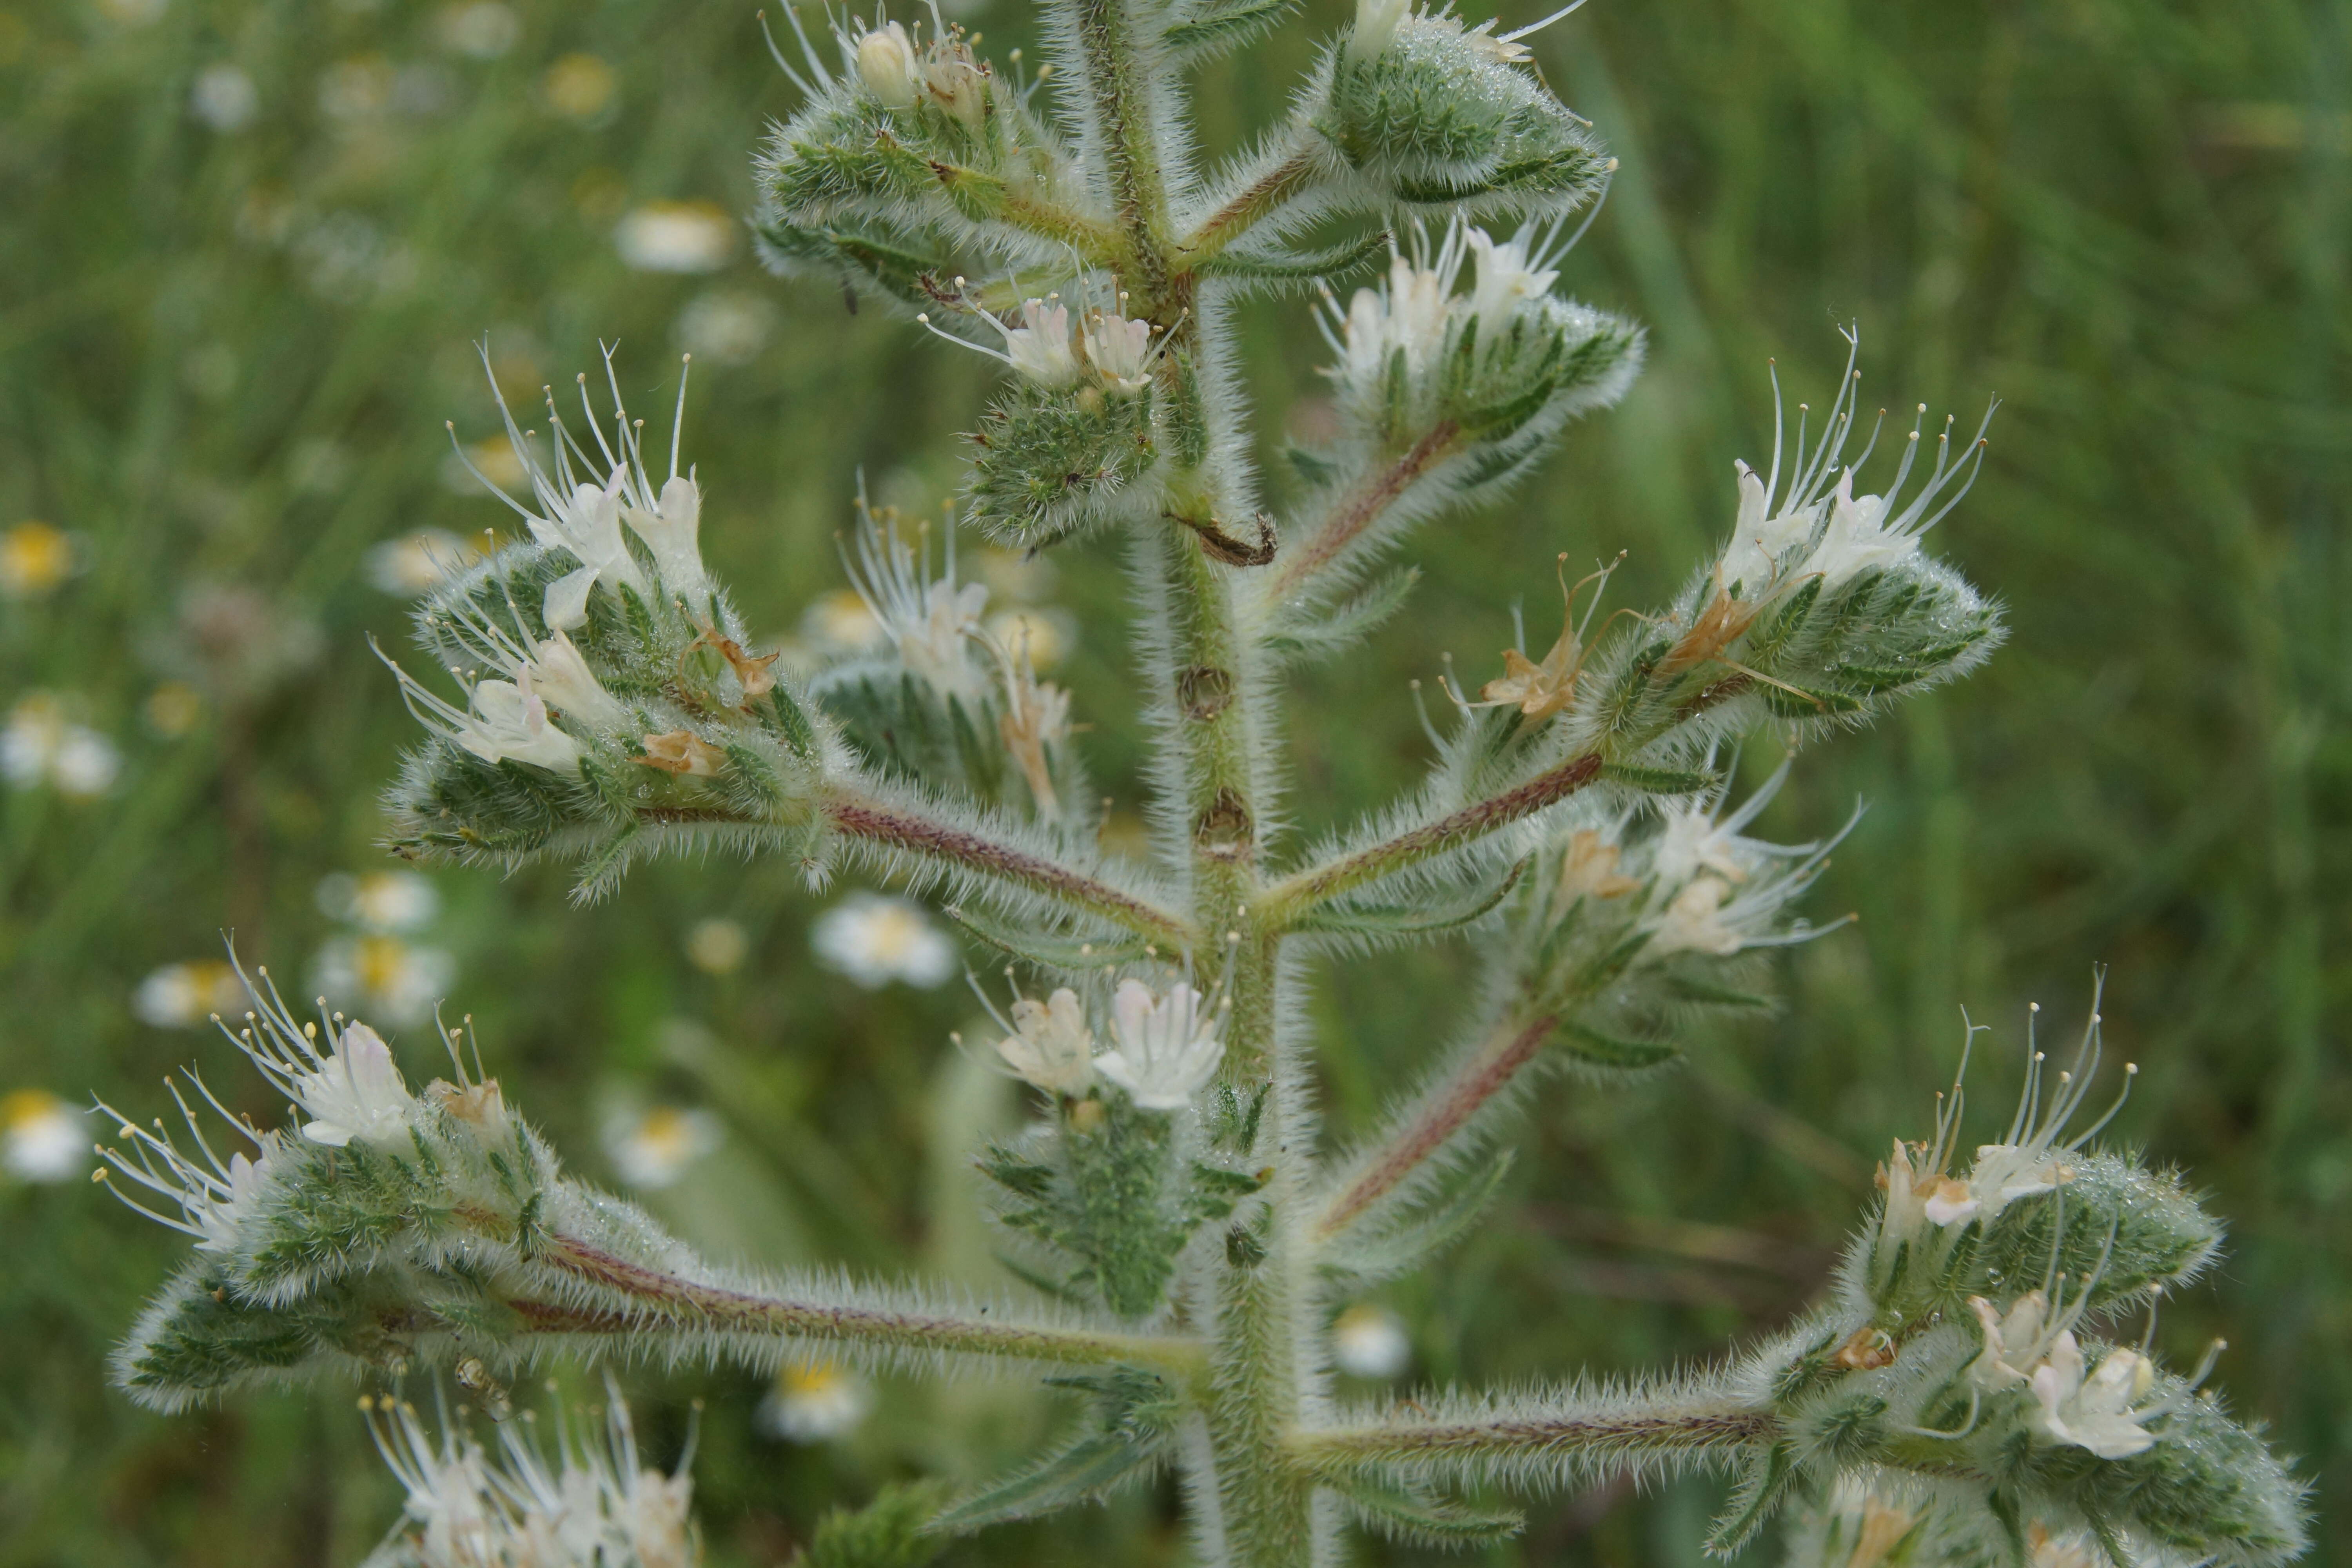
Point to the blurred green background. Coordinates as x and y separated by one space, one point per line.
244 251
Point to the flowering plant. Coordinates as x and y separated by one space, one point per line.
1185 1238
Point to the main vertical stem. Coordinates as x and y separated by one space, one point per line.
1253 1394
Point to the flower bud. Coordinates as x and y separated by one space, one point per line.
888 68
1376 23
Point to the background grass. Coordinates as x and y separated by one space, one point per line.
223 363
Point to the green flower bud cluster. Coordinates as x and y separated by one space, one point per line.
1617 931
1490 374
610 702
903 151
1436 113
1960 1350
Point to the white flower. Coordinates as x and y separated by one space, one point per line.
501 722
1051 1046
482 29
183 996
224 98
40 747
591 1504
1037 717
876 940
1168 1047
728 327
677 237
41 1136
379 973
2012 1342
1507 276
888 65
215 1199
353 1091
1817 528
1368 1341
558 673
1723 893
2096 1413
718 946
814 1404
1040 347
929 620
1376 25
653 1150
1410 315
380 901
419 563
1121 350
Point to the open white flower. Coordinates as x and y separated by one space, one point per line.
351 1091
1051 1046
1817 528
1409 315
42 1137
929 620
1120 350
2012 1340
501 722
1168 1047
591 1504
1040 348
1719 892
2095 1413
215 1196
875 939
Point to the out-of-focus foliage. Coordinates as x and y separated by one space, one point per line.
246 250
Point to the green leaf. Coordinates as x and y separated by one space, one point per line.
1049 950
1658 781
1590 1045
1085 1469
1403 1510
1214 29
1349 622
1384 920
1763 1486
1691 988
1809 702
1332 262
1411 1242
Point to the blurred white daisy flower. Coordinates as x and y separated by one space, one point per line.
876 940
482 30
419 563
41 1136
652 1148
814 1404
40 747
1368 1341
677 237
843 622
384 976
727 326
183 996
380 901
224 98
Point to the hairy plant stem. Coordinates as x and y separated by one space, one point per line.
1282 902
895 826
1590 1442
688 1304
1278 184
1360 506
1485 1073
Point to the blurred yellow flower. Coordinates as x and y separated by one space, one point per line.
578 86
493 458
677 237
1044 636
655 1148
175 708
418 562
35 557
